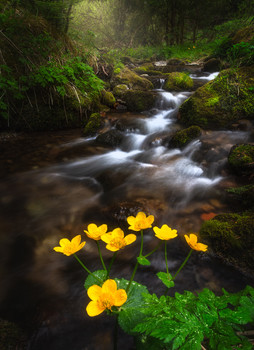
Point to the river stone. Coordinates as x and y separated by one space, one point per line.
139 101
178 81
222 101
132 80
112 137
241 159
212 65
231 237
182 137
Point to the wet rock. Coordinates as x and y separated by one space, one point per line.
120 89
241 159
231 237
139 101
178 81
222 101
132 80
107 98
11 336
94 123
212 65
181 138
112 137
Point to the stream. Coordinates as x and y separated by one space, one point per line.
77 181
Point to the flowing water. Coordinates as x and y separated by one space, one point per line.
42 290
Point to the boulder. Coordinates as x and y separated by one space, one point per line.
132 80
139 101
93 125
182 137
178 81
241 159
222 101
231 237
112 137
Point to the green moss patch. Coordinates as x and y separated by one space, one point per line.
241 158
183 137
231 236
132 80
139 101
178 81
93 124
221 102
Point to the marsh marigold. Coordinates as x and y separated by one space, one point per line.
95 232
115 240
104 297
140 222
192 240
70 247
165 232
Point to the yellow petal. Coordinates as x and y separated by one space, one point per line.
94 309
106 238
76 240
109 286
58 249
94 292
193 238
63 242
92 228
150 219
131 220
103 229
202 247
130 239
141 216
120 297
117 233
112 248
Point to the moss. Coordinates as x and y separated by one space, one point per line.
178 81
11 337
132 80
183 137
138 101
120 89
221 102
241 158
241 197
231 236
108 98
93 124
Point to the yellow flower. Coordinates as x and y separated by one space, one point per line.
165 233
193 243
95 232
70 247
104 297
115 240
140 222
194 47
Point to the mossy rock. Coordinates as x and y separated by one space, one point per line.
93 125
132 80
112 137
119 90
183 137
243 35
231 237
11 336
221 102
241 197
241 158
178 81
107 98
139 101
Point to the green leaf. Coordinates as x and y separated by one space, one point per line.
131 314
91 280
166 279
143 261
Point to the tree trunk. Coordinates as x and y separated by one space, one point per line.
67 18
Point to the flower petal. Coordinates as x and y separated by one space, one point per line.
150 219
131 220
94 309
106 237
118 233
64 241
58 249
202 247
193 238
94 292
130 238
112 248
76 240
103 229
120 297
109 286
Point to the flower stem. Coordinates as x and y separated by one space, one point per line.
111 263
166 257
185 261
102 261
85 268
136 266
154 250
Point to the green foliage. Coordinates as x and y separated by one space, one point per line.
166 279
241 54
184 321
131 314
93 279
143 261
